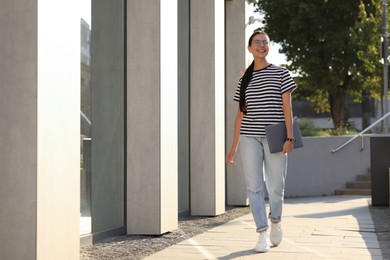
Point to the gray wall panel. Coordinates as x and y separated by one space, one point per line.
184 105
108 76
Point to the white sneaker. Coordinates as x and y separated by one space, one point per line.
262 244
276 234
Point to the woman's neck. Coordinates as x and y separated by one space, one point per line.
260 64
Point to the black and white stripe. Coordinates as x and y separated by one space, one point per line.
264 99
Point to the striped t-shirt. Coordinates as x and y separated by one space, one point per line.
264 99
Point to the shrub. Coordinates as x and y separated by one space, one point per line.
308 128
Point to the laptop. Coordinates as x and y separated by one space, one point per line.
277 134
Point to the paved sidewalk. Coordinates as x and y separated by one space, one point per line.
335 227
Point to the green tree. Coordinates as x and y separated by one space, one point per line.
368 72
333 45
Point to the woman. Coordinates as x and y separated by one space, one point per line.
264 96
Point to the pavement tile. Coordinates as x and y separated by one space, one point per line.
335 227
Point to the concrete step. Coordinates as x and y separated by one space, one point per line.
361 192
362 186
364 177
359 185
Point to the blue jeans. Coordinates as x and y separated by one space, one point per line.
263 171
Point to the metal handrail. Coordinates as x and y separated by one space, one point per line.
85 118
359 134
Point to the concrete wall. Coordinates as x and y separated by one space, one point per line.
39 145
151 117
207 134
314 171
235 62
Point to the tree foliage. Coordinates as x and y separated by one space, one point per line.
333 45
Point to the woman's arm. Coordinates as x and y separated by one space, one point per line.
288 118
236 137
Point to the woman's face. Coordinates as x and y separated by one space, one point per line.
259 46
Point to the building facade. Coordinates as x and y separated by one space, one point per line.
119 136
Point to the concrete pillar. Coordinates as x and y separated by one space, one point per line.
152 206
40 129
207 116
235 62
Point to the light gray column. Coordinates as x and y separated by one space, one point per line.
40 130
207 135
152 206
235 62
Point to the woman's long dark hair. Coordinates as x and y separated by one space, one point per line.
247 76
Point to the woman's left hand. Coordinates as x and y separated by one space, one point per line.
288 147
